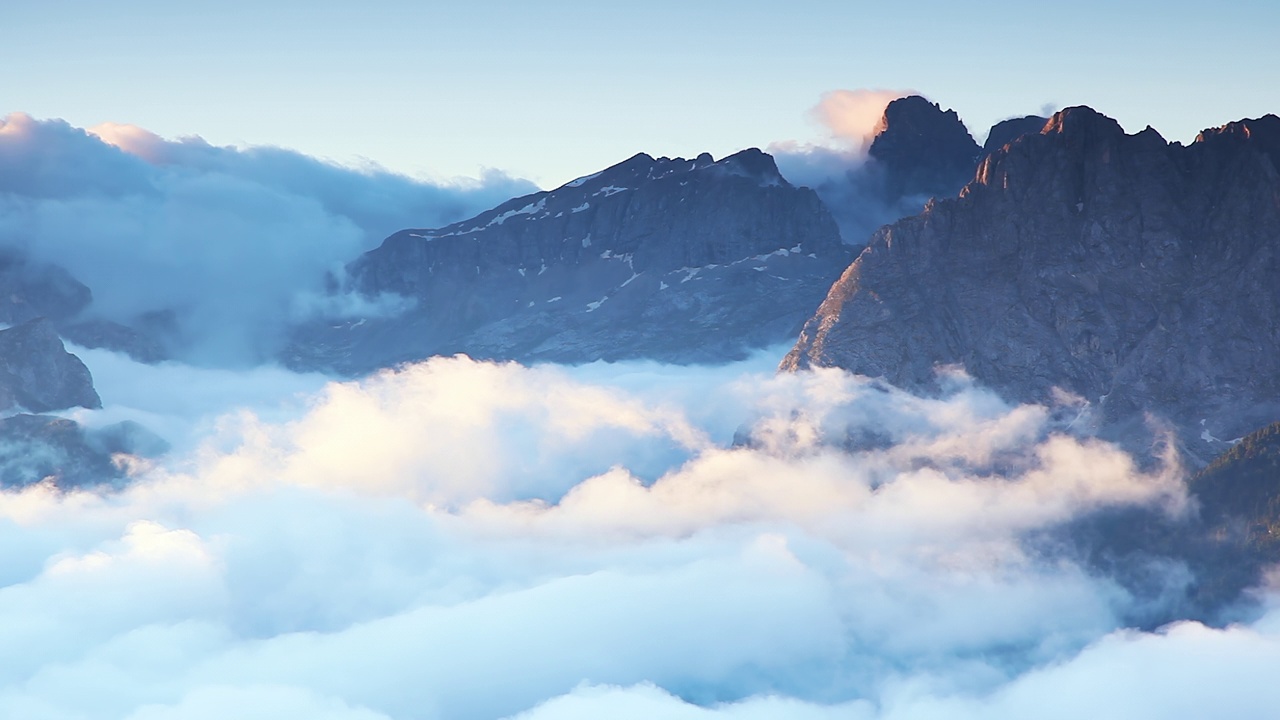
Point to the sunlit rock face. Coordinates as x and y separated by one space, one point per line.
1119 273
672 259
1006 131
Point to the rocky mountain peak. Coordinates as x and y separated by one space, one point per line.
919 152
1078 152
1136 275
914 116
1006 131
751 163
755 164
1265 130
671 258
1082 125
923 149
1259 134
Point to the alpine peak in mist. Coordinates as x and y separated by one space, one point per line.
179 248
670 259
886 171
923 149
1121 274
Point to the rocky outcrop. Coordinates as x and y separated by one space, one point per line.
38 374
40 448
43 448
144 345
1006 131
919 151
923 150
1236 531
1136 276
671 259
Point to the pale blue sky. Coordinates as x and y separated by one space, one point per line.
560 88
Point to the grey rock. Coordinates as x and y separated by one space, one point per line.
38 374
1138 275
36 448
923 149
141 345
919 152
672 259
1006 131
43 448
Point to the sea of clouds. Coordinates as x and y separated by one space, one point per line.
465 540
462 539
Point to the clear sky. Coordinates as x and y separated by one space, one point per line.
560 88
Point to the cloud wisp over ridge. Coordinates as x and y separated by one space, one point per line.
475 540
849 121
231 241
839 167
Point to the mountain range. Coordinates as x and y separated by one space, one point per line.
1127 282
672 259
1132 278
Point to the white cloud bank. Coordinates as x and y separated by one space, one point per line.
475 540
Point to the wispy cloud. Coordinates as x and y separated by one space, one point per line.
231 240
838 165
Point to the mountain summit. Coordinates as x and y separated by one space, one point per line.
1136 276
671 259
919 151
923 149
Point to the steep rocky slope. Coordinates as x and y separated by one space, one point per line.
1136 276
672 259
1006 131
1238 519
922 149
1239 493
37 373
1202 563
